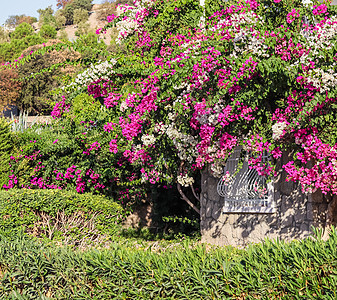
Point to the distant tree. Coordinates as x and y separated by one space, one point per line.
12 21
80 15
45 12
63 36
68 12
46 16
63 3
82 28
9 87
48 32
60 19
4 35
22 30
84 4
70 7
16 20
27 19
34 94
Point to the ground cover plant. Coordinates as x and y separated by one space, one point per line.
270 270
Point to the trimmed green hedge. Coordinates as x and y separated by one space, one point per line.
272 270
49 212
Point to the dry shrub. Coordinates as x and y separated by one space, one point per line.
9 87
78 229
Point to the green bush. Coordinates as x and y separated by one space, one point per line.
68 12
272 270
58 214
6 147
83 4
22 31
85 108
48 32
47 16
60 19
13 49
80 15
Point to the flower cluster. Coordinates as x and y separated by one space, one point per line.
60 108
101 71
185 180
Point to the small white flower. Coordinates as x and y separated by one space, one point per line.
148 139
185 180
277 129
124 106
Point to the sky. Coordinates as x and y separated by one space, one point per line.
25 7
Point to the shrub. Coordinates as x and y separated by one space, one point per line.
83 4
9 87
90 47
11 51
35 90
58 214
68 12
6 146
80 15
22 31
46 16
60 19
85 108
48 32
63 36
82 28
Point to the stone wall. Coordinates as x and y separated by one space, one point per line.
294 216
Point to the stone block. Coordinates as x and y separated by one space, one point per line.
260 231
300 215
216 211
209 209
287 218
273 220
310 215
286 187
286 203
232 219
322 208
277 198
317 197
213 194
204 176
285 233
305 228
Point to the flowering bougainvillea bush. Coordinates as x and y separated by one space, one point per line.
197 82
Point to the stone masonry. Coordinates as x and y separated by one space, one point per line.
295 215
